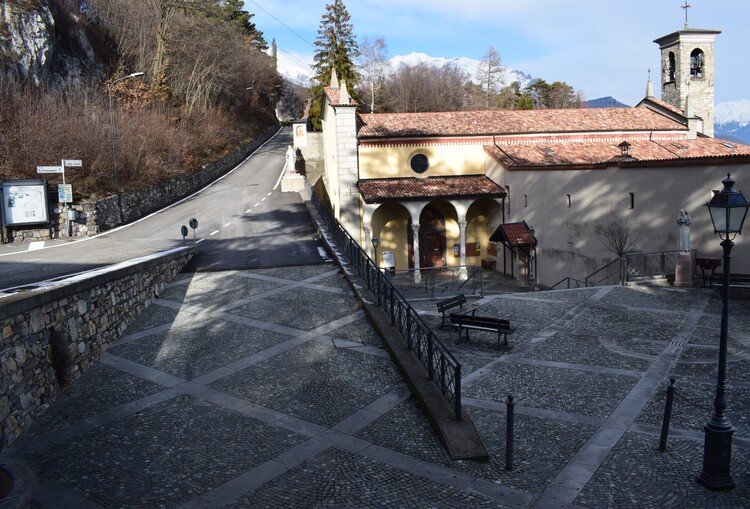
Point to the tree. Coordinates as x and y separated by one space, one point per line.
232 12
336 49
618 235
422 87
164 11
490 74
374 64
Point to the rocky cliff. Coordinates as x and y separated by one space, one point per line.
42 43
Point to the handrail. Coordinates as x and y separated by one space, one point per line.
442 366
590 276
568 279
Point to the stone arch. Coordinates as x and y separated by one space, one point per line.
482 217
671 67
390 222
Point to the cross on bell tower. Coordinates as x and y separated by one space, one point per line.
686 7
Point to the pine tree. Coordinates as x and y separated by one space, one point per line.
336 49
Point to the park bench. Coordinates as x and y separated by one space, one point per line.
483 323
458 301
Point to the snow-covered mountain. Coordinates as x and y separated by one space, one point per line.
732 121
467 65
303 76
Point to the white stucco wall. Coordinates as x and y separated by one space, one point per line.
568 245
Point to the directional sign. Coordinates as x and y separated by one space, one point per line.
70 163
50 169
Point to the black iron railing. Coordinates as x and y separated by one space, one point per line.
442 367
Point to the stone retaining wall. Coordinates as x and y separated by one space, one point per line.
105 214
52 334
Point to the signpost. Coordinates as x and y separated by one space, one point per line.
64 191
50 169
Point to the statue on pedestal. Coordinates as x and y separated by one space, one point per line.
684 221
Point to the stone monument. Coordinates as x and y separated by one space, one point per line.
683 276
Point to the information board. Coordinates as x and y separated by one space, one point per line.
24 202
65 193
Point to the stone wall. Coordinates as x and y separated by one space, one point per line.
94 218
52 334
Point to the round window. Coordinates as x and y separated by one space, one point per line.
420 163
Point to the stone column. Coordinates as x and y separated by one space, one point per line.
368 241
462 242
415 244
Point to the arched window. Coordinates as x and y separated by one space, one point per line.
696 63
672 69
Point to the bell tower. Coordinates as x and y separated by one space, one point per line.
687 68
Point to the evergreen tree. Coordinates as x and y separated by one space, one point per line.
232 12
336 49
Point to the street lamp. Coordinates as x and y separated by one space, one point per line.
375 244
728 209
112 123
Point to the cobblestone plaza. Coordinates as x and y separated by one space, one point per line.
269 388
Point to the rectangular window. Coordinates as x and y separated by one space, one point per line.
525 200
567 200
631 200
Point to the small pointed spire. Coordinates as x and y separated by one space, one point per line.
343 93
334 79
649 86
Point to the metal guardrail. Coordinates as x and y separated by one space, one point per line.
439 281
576 283
660 264
610 274
442 367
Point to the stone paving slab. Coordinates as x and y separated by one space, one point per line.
194 349
316 382
636 476
163 456
337 479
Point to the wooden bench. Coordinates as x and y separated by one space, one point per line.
458 301
483 323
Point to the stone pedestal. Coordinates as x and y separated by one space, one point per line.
683 273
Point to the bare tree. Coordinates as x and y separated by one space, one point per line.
164 12
373 64
490 74
618 235
422 87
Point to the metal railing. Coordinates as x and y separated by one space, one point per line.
570 282
442 367
610 274
439 281
656 265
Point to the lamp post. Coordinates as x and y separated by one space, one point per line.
375 243
728 209
112 124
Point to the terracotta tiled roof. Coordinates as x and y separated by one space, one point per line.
663 104
378 190
514 234
334 97
603 153
503 122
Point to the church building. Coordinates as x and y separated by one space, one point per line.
522 192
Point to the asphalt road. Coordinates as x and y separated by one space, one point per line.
244 222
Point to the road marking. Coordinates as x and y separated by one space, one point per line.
257 204
248 211
269 194
33 246
264 198
199 241
214 232
226 225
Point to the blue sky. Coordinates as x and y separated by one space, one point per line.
600 47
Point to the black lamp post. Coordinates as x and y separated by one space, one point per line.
375 243
728 209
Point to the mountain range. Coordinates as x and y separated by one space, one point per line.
731 119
